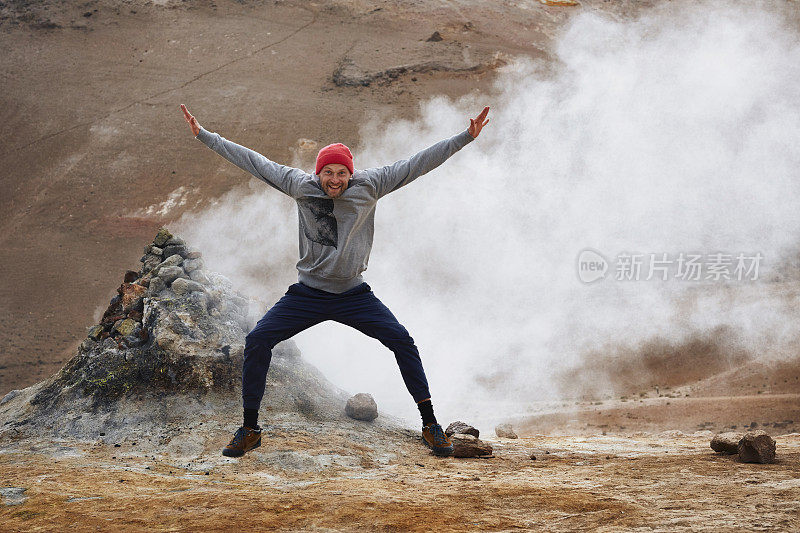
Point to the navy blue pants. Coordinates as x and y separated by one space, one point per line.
302 307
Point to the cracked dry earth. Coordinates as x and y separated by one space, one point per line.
312 480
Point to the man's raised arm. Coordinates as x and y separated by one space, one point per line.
391 177
285 179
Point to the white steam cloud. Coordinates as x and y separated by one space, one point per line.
675 132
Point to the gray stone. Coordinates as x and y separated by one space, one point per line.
757 447
194 254
156 286
175 240
463 428
175 249
362 406
162 237
13 495
170 273
199 276
172 260
727 443
505 431
469 446
150 262
190 265
155 250
183 286
10 396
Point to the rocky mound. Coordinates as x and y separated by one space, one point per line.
168 354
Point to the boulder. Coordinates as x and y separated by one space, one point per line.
170 273
190 265
505 431
463 428
162 237
156 286
469 446
362 406
171 260
183 286
175 249
727 443
756 447
199 276
194 254
150 262
153 249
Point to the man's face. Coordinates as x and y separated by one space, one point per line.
334 179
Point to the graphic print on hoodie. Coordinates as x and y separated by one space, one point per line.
325 231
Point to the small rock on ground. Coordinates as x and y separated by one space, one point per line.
362 406
469 446
461 427
727 443
757 447
505 431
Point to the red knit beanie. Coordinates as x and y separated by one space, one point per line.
335 153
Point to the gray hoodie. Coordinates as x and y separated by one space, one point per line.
335 233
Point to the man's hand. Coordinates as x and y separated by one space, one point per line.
476 124
193 121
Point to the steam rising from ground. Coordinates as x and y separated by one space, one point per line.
676 132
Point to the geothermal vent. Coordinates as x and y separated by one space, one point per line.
167 353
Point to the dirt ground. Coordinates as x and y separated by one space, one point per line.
638 482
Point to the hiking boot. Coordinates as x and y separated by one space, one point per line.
435 439
244 440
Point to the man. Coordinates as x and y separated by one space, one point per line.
336 210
